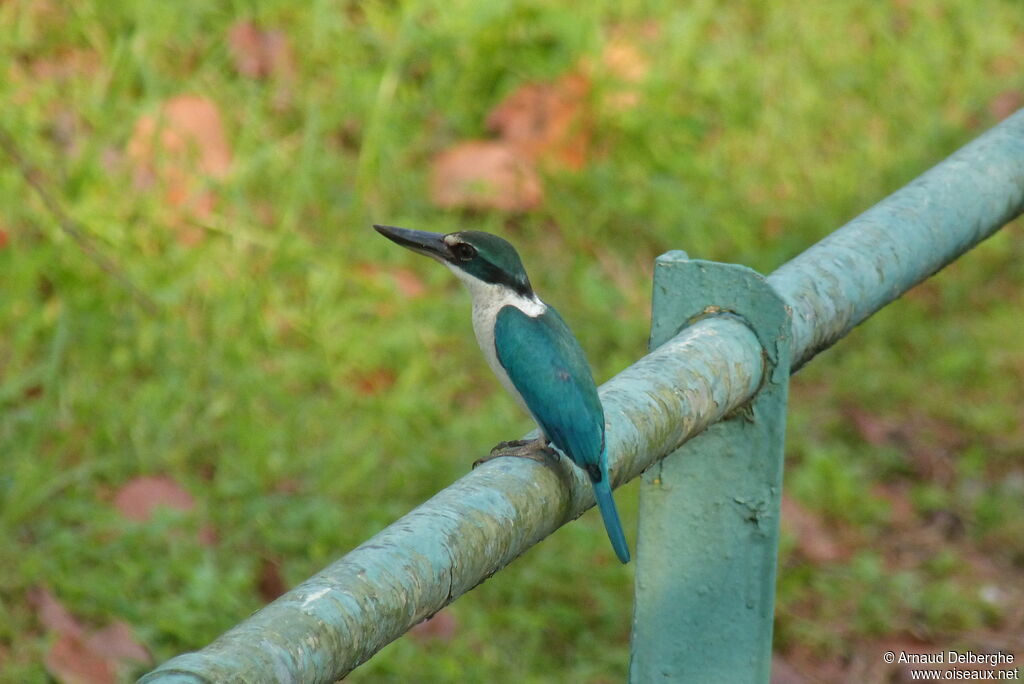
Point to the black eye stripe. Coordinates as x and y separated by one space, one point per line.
490 273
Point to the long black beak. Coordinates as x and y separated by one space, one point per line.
420 241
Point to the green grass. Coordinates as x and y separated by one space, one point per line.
760 130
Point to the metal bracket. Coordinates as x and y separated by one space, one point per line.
709 512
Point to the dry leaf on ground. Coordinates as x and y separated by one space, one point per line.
441 627
60 68
178 150
485 174
186 135
71 661
929 444
406 280
813 540
258 52
138 499
270 581
78 657
374 381
1005 103
625 61
548 122
264 54
624 66
116 641
784 673
52 613
66 65
408 283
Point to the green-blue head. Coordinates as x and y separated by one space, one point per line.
482 255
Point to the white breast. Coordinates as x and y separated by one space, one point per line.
488 300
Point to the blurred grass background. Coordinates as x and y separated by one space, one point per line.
307 382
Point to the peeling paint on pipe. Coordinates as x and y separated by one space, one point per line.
337 619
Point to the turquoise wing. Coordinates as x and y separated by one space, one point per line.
548 367
546 364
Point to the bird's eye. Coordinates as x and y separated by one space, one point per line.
463 251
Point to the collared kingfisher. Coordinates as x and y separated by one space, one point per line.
533 353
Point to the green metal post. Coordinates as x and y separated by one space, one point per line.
709 512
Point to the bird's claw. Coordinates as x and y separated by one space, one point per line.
514 444
533 449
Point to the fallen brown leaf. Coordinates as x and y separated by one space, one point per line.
374 381
60 68
138 499
177 150
67 129
813 539
71 661
406 280
874 429
207 535
902 513
625 61
627 67
409 284
929 295
186 126
66 65
784 673
539 124
260 53
441 627
547 122
117 642
270 581
484 174
78 657
929 444
1005 103
52 614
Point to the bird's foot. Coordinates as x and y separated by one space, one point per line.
534 449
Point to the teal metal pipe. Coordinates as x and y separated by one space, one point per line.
904 239
334 621
337 619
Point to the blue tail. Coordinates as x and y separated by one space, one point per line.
606 504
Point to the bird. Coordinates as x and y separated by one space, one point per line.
533 352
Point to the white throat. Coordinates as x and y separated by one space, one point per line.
488 300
